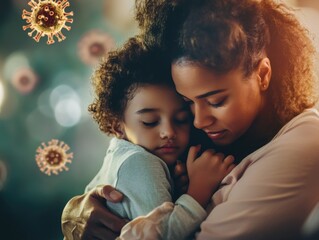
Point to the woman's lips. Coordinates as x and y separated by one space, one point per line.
215 135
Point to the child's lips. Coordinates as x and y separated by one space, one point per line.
168 148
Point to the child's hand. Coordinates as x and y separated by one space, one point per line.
180 178
206 172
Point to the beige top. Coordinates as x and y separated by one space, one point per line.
270 193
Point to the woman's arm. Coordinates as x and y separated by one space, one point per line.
86 217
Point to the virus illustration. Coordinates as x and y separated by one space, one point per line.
94 45
24 80
47 17
54 157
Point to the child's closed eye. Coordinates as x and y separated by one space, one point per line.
150 124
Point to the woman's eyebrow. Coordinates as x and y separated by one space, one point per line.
204 95
210 93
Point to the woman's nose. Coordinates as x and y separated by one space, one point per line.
202 117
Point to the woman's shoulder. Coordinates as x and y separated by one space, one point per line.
299 138
308 119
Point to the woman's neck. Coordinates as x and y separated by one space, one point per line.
263 129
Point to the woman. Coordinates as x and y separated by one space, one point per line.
246 70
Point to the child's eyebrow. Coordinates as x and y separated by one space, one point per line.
146 110
150 110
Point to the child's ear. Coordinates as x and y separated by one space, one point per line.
118 129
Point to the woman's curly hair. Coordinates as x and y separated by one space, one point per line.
119 75
226 34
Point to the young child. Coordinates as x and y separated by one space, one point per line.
137 104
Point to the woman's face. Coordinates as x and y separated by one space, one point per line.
224 106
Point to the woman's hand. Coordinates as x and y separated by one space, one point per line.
86 216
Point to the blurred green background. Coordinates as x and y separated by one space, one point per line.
31 202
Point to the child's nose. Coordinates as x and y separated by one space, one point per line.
168 131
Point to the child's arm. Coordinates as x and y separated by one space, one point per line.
144 181
179 220
145 185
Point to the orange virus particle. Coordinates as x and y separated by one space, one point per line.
47 18
24 80
54 157
94 45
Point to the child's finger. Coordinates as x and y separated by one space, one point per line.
180 169
192 154
229 160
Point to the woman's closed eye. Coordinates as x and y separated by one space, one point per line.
217 104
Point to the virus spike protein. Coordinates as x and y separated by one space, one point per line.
47 17
53 157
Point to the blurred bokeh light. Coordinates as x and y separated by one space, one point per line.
3 174
1 94
94 45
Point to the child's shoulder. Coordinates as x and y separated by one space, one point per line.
123 149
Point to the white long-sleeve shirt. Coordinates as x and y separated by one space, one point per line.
145 182
267 196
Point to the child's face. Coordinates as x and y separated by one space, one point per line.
156 119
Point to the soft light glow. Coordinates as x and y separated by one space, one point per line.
37 126
309 17
44 103
66 105
68 112
120 15
14 62
1 94
3 174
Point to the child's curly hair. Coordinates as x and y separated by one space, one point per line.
226 34
119 75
